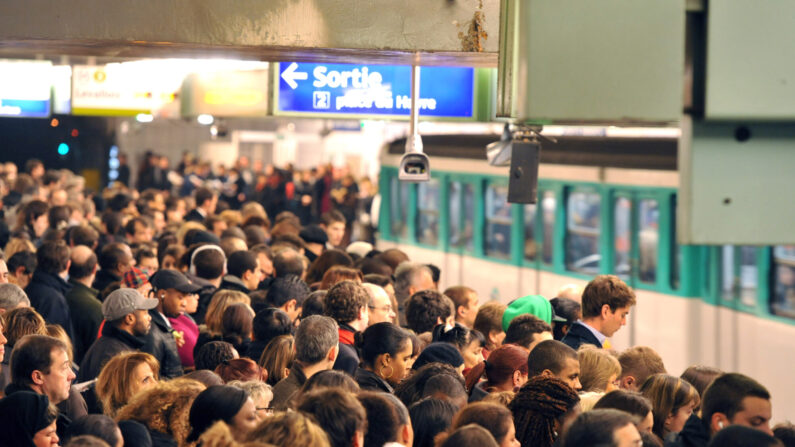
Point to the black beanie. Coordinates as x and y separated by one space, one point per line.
216 403
439 353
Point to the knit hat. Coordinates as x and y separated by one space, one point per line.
531 304
134 278
216 403
22 414
439 353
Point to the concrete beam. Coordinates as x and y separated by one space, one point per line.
443 31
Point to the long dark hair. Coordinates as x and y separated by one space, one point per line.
382 338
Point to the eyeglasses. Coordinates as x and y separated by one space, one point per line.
268 410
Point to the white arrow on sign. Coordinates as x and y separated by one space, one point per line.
290 75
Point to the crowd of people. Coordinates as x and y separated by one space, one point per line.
218 313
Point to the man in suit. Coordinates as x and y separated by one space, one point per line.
606 302
206 200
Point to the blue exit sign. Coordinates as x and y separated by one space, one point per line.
352 89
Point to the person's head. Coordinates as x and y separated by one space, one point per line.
164 408
472 435
552 358
287 262
128 310
603 427
346 302
469 342
325 261
242 368
446 387
34 217
84 263
340 273
236 323
115 258
288 293
527 331
413 388
208 262
505 369
42 363
12 297
21 322
440 353
222 403
606 302
638 363
28 419
316 341
270 323
123 376
287 429
339 414
568 309
83 235
672 400
386 351
213 354
466 304
381 413
20 268
785 432
631 402
489 323
53 257
427 308
739 436
139 230
206 199
599 370
495 418
411 278
98 425
222 299
700 377
259 392
429 417
736 399
379 305
245 265
333 222
277 358
541 409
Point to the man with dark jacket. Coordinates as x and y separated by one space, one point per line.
84 305
207 266
47 289
171 289
606 302
127 321
245 272
346 302
114 261
206 200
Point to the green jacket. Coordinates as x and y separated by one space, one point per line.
85 310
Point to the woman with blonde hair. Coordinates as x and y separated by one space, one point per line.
277 358
289 429
599 371
164 409
213 327
124 376
16 245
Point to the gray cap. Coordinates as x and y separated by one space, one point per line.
121 302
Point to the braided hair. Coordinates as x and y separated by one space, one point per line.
537 407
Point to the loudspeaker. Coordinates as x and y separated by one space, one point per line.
523 177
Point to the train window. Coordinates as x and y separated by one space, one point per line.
462 214
782 300
427 231
530 244
548 205
739 274
398 206
498 222
676 251
583 225
622 236
648 239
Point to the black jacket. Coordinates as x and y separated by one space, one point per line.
694 434
205 296
112 342
579 334
62 423
160 343
103 280
370 381
194 216
231 282
47 294
347 360
86 312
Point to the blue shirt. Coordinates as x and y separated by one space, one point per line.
599 336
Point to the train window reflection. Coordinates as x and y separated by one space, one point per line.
548 205
498 222
398 206
648 239
622 236
428 212
462 214
530 244
676 259
583 225
739 274
783 291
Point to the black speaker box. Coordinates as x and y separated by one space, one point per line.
523 177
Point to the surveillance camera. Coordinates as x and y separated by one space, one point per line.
414 167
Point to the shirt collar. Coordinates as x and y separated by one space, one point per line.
599 336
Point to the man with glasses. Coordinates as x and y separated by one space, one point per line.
379 305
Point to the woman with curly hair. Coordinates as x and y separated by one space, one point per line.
164 409
542 409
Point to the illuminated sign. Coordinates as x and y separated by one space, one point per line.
121 89
239 93
351 89
25 88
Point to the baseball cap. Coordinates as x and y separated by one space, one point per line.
121 302
531 304
172 279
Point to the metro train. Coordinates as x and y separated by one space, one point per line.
606 205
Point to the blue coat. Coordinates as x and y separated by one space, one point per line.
47 294
578 335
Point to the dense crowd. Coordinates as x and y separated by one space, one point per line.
232 309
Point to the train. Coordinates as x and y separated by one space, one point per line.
607 203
